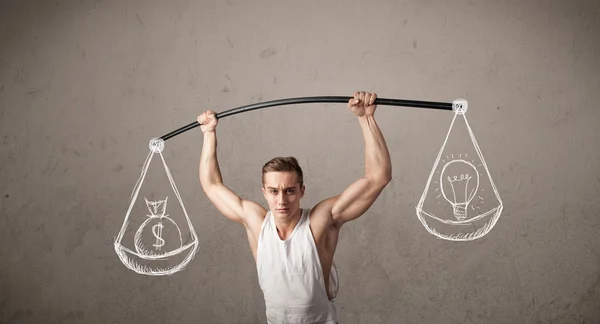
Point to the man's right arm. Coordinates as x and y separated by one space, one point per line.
226 201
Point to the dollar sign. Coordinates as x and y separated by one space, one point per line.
157 231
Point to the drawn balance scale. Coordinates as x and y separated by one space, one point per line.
460 201
159 247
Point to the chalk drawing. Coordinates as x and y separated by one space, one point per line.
159 245
156 225
460 201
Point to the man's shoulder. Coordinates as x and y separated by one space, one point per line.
321 212
256 217
324 206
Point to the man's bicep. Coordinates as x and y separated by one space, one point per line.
230 204
356 199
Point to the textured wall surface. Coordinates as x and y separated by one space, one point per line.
84 86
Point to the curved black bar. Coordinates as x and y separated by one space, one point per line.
325 99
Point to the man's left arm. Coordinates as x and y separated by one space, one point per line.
355 200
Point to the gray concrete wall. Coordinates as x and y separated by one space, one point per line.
84 85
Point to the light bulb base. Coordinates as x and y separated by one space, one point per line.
460 212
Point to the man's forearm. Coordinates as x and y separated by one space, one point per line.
209 166
378 164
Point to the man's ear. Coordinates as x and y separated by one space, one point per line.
302 191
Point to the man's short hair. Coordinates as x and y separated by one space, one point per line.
283 164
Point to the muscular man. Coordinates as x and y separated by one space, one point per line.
293 247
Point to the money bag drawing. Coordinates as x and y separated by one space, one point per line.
156 225
156 238
460 201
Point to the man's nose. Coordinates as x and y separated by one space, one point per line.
281 197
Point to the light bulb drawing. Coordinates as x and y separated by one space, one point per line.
460 201
462 178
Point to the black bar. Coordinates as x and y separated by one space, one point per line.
302 100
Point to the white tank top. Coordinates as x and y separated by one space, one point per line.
291 277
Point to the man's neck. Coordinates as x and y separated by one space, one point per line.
286 227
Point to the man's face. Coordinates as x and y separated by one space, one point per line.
283 193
